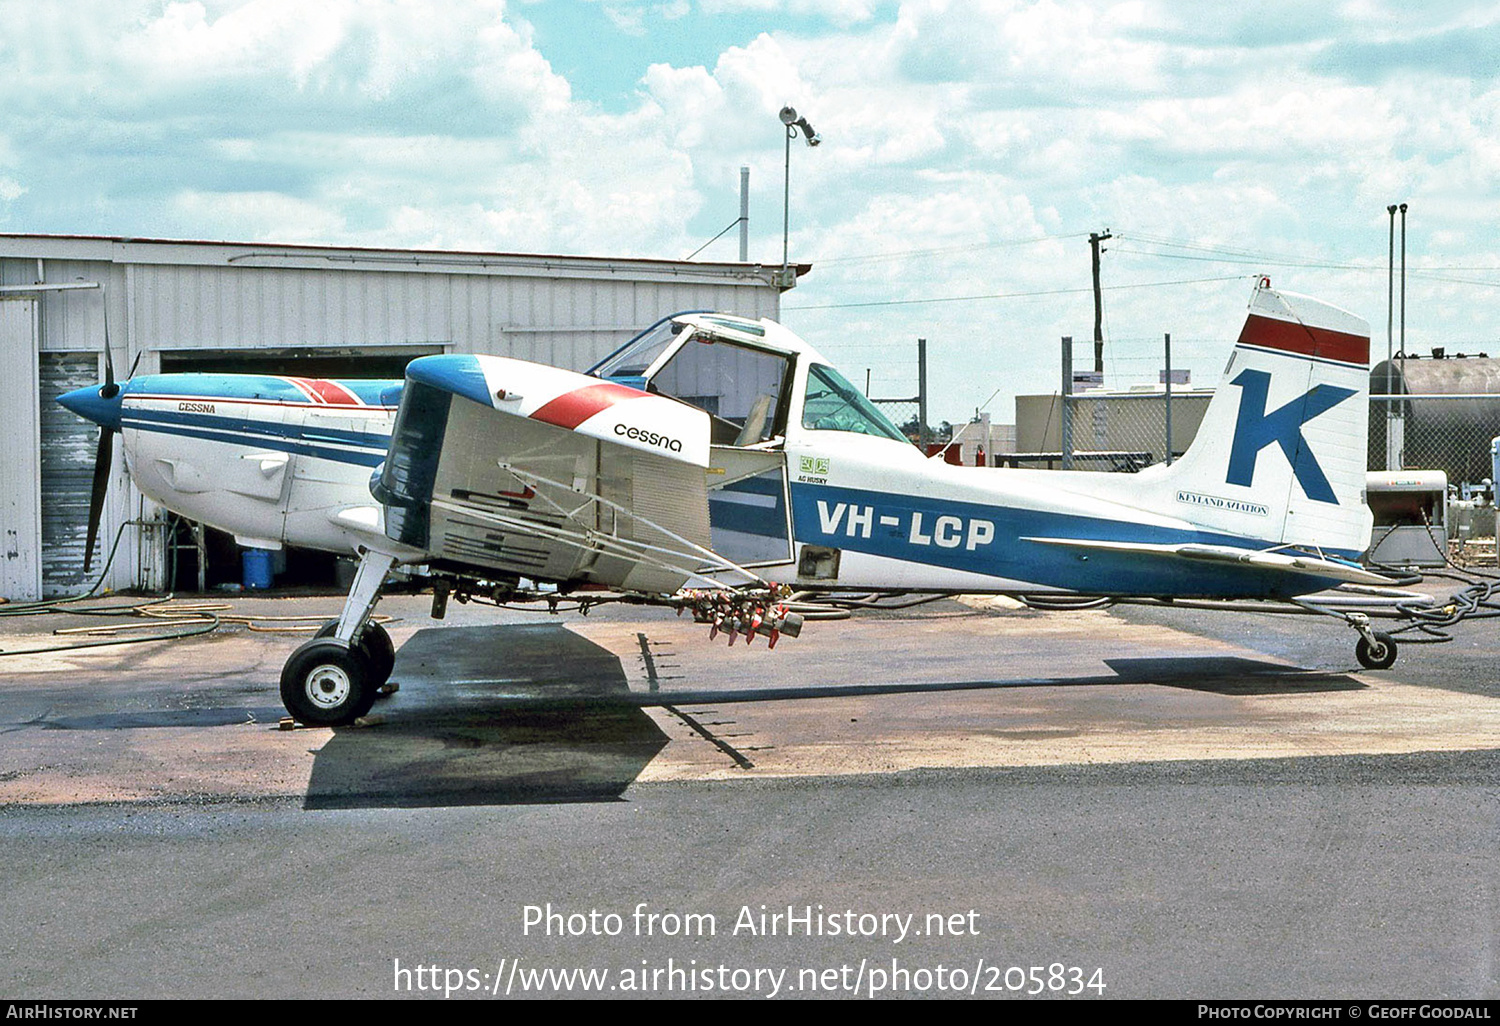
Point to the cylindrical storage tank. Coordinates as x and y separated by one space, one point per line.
1450 435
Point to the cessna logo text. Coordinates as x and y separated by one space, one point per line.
1233 505
195 407
636 434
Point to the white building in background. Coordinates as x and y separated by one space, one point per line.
310 310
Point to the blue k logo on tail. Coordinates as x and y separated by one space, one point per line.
1255 429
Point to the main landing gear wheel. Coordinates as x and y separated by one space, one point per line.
1377 656
375 644
327 684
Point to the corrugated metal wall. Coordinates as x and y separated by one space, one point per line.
565 322
171 297
20 521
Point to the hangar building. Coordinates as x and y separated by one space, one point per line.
312 311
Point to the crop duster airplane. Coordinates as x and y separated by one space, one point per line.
715 463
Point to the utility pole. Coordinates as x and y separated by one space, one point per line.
1403 290
1167 346
1066 421
922 435
1094 239
1392 441
744 214
1390 297
786 205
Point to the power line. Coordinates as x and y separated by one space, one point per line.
1012 295
716 238
1224 254
1457 281
895 254
1248 259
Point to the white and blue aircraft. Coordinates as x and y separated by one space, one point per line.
716 464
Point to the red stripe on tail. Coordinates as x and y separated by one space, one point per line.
573 408
1305 340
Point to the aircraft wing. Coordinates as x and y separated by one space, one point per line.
505 468
1310 566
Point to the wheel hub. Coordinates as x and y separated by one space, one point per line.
328 687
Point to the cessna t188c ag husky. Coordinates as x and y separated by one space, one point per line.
716 463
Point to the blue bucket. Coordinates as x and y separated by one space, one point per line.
257 568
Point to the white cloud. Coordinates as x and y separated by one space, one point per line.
269 216
842 13
955 133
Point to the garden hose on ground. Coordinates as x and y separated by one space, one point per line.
168 620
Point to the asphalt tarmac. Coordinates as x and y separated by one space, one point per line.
951 800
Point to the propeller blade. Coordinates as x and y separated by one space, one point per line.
103 460
110 389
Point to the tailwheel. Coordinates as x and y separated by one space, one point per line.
1376 652
326 683
374 643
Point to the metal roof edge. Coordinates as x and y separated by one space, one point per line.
197 252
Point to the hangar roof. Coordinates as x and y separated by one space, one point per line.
126 250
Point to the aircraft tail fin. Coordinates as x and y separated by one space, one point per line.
1281 453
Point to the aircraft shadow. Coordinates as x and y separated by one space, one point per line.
535 713
474 724
1229 675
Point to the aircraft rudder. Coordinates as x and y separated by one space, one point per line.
1281 452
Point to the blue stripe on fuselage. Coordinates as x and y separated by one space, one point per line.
986 539
246 425
355 457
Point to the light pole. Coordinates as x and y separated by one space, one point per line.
793 123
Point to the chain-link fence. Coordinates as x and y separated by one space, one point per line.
904 413
1124 432
1451 433
1121 431
1125 427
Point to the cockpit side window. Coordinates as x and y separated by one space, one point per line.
740 387
832 404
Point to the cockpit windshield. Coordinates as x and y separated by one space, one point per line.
832 404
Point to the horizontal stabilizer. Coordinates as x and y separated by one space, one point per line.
365 519
1311 566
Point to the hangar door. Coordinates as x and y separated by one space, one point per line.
68 446
374 362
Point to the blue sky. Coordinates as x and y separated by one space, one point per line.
969 148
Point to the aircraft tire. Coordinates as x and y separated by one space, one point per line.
375 644
326 683
1379 656
379 652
